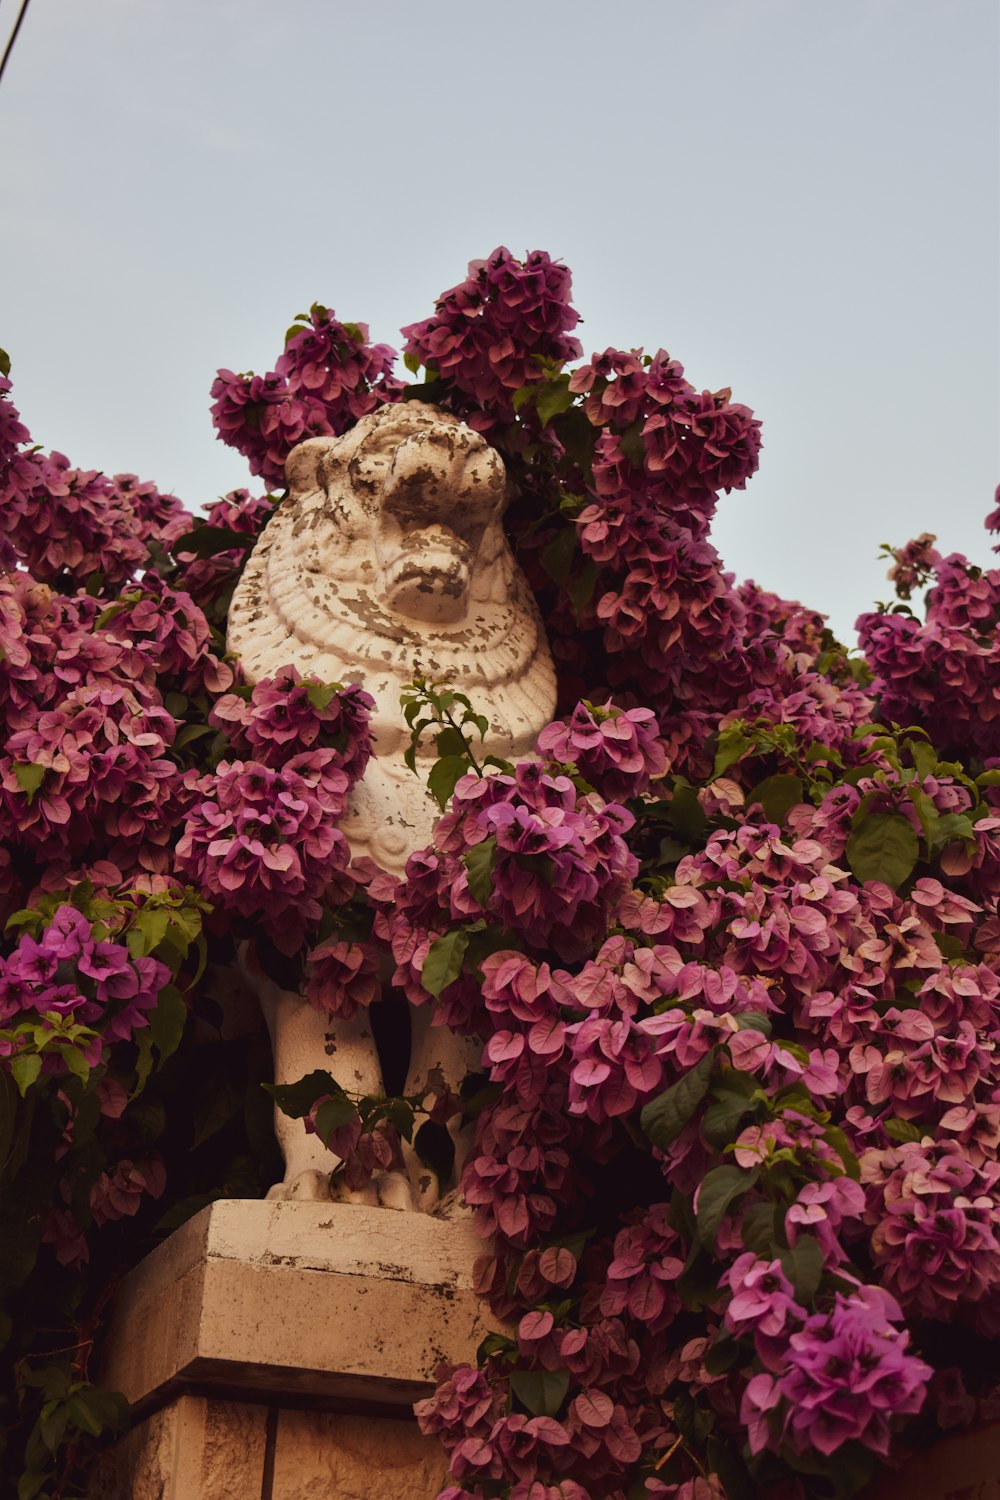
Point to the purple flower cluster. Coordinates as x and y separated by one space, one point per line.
944 672
616 750
288 715
328 376
263 842
849 1373
342 978
69 972
493 333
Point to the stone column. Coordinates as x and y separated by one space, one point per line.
272 1351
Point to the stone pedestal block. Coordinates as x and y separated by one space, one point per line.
272 1351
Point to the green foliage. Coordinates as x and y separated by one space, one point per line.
452 720
664 1117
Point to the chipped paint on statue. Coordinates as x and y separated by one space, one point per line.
388 561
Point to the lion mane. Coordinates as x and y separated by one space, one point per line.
388 561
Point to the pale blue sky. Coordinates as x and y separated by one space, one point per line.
799 200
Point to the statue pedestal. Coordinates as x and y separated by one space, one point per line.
272 1351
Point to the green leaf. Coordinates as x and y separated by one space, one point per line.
925 757
901 1130
687 814
733 745
723 1119
719 1190
25 1067
803 1265
147 931
721 1354
321 694
777 795
664 1117
753 1020
4 363
554 398
444 777
443 963
632 444
581 590
208 541
297 1099
541 1391
167 1021
332 1114
412 363
758 1229
479 861
431 390
29 778
557 555
883 846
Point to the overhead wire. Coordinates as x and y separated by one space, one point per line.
13 36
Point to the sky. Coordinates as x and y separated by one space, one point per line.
798 201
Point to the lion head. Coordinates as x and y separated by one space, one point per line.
388 561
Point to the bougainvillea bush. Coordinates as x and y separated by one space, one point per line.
729 941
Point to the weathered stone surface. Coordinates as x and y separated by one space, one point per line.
388 561
273 1298
332 1457
194 1449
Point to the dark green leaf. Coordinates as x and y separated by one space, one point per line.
803 1265
557 555
719 1190
725 1459
664 1117
777 795
431 390
4 363
758 1229
734 743
554 398
208 541
581 590
901 1130
332 1115
884 847
687 814
721 1354
479 862
443 963
444 777
167 1021
632 444
541 1391
753 1020
297 1099
724 1118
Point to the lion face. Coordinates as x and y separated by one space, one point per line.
387 562
432 488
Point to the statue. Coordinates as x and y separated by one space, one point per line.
388 561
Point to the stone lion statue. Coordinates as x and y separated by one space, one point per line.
386 562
